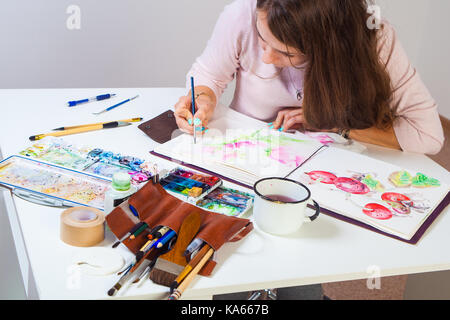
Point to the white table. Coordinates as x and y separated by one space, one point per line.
325 251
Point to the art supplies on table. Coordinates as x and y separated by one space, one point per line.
352 187
59 152
81 129
96 98
116 105
173 223
82 226
93 124
193 108
188 184
121 189
71 187
227 201
91 160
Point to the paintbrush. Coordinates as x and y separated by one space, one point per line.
94 124
186 282
107 125
189 267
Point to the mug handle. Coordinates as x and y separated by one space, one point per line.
315 215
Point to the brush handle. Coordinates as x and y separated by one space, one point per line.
186 282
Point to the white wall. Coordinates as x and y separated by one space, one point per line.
138 43
132 43
423 27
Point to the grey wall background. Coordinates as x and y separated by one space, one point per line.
149 43
133 43
144 43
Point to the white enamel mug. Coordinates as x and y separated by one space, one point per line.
280 205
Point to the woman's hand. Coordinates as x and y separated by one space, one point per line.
204 109
290 119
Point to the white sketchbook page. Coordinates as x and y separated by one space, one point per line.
245 155
224 121
345 164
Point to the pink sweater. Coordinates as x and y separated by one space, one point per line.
262 90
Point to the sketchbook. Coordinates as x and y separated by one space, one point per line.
245 155
361 190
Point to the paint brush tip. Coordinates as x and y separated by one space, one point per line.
111 292
173 286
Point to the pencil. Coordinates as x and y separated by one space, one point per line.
113 124
129 233
139 231
185 283
94 124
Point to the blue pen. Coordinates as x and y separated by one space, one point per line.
97 98
193 107
165 238
115 106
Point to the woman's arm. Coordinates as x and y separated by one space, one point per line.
216 67
417 127
384 138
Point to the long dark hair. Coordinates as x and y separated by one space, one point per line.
346 84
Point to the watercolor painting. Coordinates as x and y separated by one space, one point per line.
243 155
385 196
54 181
381 202
259 145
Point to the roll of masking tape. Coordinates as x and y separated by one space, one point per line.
82 226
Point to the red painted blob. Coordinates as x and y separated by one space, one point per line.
377 211
322 176
351 186
394 197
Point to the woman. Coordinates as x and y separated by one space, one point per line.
315 65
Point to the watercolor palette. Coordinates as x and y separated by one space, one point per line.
227 201
53 181
91 160
192 185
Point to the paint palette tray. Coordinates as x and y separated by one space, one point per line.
189 185
96 161
227 201
58 185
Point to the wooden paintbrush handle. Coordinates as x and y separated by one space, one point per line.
185 283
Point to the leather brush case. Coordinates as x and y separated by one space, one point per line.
156 207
